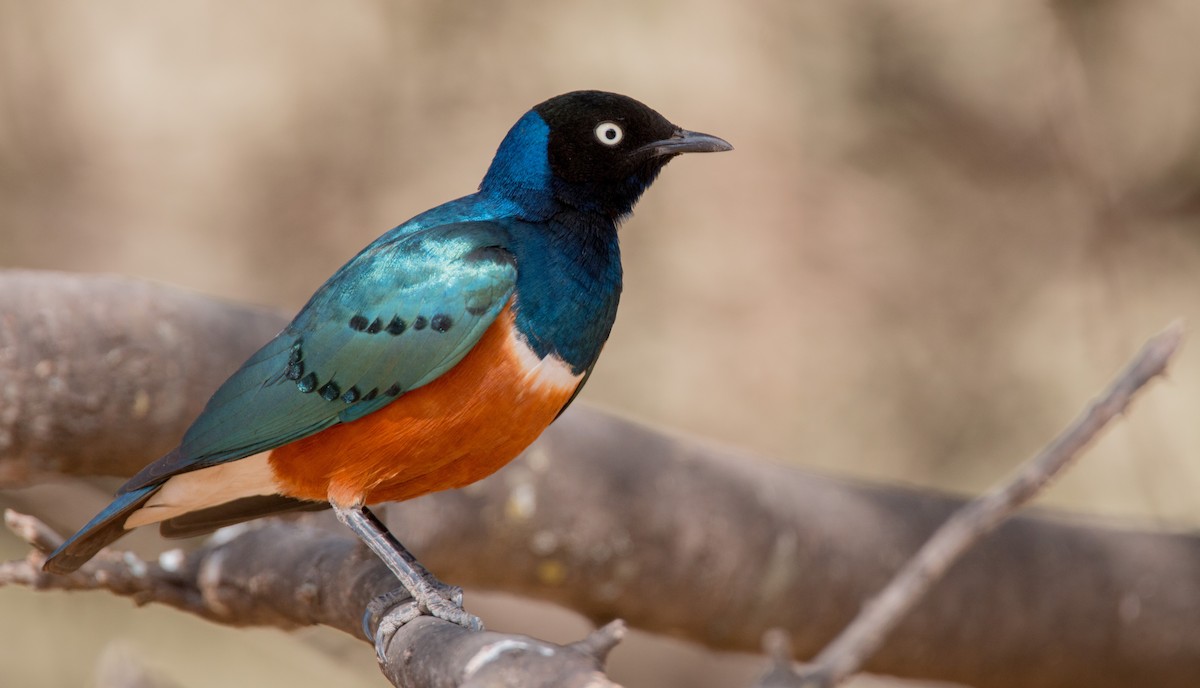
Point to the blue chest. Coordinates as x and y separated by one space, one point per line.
568 287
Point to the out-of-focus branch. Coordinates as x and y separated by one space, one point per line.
677 536
780 673
288 576
683 538
99 374
845 656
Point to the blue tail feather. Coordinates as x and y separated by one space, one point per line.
101 531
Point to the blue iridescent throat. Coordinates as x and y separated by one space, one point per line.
520 172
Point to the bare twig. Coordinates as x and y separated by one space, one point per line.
41 536
778 647
846 654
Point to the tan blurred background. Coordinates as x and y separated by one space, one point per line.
944 227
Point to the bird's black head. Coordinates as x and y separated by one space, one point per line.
590 150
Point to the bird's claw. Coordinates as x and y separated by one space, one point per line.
394 617
445 601
451 593
453 612
399 606
383 603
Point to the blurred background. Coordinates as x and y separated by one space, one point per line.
944 227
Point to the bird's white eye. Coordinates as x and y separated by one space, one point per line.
609 133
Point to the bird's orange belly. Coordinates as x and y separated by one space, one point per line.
462 427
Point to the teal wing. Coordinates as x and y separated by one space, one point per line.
398 315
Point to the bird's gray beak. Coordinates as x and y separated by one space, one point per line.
684 141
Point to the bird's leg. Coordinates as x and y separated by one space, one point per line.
429 593
451 593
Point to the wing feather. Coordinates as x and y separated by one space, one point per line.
397 316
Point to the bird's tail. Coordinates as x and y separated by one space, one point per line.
100 532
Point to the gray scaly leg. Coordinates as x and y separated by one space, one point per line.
431 595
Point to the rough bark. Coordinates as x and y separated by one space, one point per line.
99 374
683 538
675 535
289 576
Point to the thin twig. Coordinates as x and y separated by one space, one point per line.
41 536
846 654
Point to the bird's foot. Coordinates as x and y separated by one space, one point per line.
449 609
450 593
443 600
384 603
437 599
393 609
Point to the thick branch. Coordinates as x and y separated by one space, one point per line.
288 576
680 537
100 374
677 536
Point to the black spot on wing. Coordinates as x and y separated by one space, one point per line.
294 370
331 391
359 323
392 391
351 395
440 322
396 326
295 365
375 326
307 383
420 322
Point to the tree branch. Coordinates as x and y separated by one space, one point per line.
102 374
677 536
718 547
289 576
845 656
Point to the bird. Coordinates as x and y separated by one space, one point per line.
432 358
